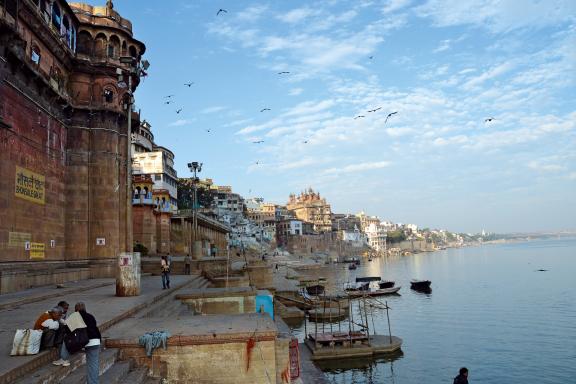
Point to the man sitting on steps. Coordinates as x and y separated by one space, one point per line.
49 324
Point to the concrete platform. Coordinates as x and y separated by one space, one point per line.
22 311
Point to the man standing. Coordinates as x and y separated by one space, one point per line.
165 265
187 263
49 324
462 378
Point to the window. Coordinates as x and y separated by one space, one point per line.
35 55
108 95
157 177
56 16
110 50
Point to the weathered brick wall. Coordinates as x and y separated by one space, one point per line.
144 226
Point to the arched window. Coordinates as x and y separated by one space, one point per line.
100 45
85 43
56 16
124 48
73 38
108 95
66 29
132 51
35 54
113 46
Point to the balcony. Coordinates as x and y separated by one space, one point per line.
142 200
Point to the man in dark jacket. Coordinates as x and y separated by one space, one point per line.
462 378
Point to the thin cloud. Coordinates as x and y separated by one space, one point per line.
361 167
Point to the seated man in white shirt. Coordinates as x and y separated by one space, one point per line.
49 324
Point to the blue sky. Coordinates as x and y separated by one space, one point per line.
444 66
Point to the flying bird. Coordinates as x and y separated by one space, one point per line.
167 102
489 119
283 73
375 109
265 109
179 110
305 142
359 116
208 130
189 84
390 115
221 11
167 97
258 142
370 57
257 163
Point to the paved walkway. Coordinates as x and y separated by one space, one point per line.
21 310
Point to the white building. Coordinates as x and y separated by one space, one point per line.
156 161
377 235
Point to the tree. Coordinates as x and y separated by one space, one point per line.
396 237
186 195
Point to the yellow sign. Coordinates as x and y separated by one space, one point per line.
30 186
37 251
17 239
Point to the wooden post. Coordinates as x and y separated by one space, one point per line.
388 317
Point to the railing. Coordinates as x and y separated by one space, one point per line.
142 200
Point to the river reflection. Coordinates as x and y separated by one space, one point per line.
491 309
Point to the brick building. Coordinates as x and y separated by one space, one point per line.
310 207
64 211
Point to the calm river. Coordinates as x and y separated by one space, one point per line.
490 310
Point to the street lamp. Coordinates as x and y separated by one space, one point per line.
195 167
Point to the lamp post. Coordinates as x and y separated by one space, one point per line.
195 167
128 275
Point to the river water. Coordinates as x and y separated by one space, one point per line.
489 310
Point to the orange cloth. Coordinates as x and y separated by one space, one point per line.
43 317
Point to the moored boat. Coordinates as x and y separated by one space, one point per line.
377 292
315 290
352 266
386 284
420 285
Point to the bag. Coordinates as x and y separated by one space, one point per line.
26 342
76 340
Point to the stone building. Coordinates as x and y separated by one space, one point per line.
310 207
64 199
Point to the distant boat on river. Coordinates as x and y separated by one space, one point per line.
420 285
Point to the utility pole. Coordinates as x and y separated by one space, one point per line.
195 167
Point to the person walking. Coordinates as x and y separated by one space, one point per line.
462 378
92 349
165 265
187 263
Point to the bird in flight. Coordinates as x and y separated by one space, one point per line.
167 102
208 130
221 11
265 109
489 119
305 142
258 142
188 84
375 109
370 57
283 73
390 115
257 162
359 117
167 97
179 110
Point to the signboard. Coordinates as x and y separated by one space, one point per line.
100 241
294 359
17 239
126 260
37 251
30 186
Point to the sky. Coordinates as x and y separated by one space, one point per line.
445 67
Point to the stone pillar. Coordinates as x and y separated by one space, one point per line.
128 274
197 249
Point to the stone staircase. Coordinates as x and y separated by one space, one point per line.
112 369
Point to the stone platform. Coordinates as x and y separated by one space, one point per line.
19 311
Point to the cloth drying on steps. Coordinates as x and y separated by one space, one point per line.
153 340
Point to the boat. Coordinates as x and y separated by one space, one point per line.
315 290
353 344
358 286
352 266
386 284
420 285
376 292
369 279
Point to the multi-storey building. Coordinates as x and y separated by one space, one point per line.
64 198
310 207
376 235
